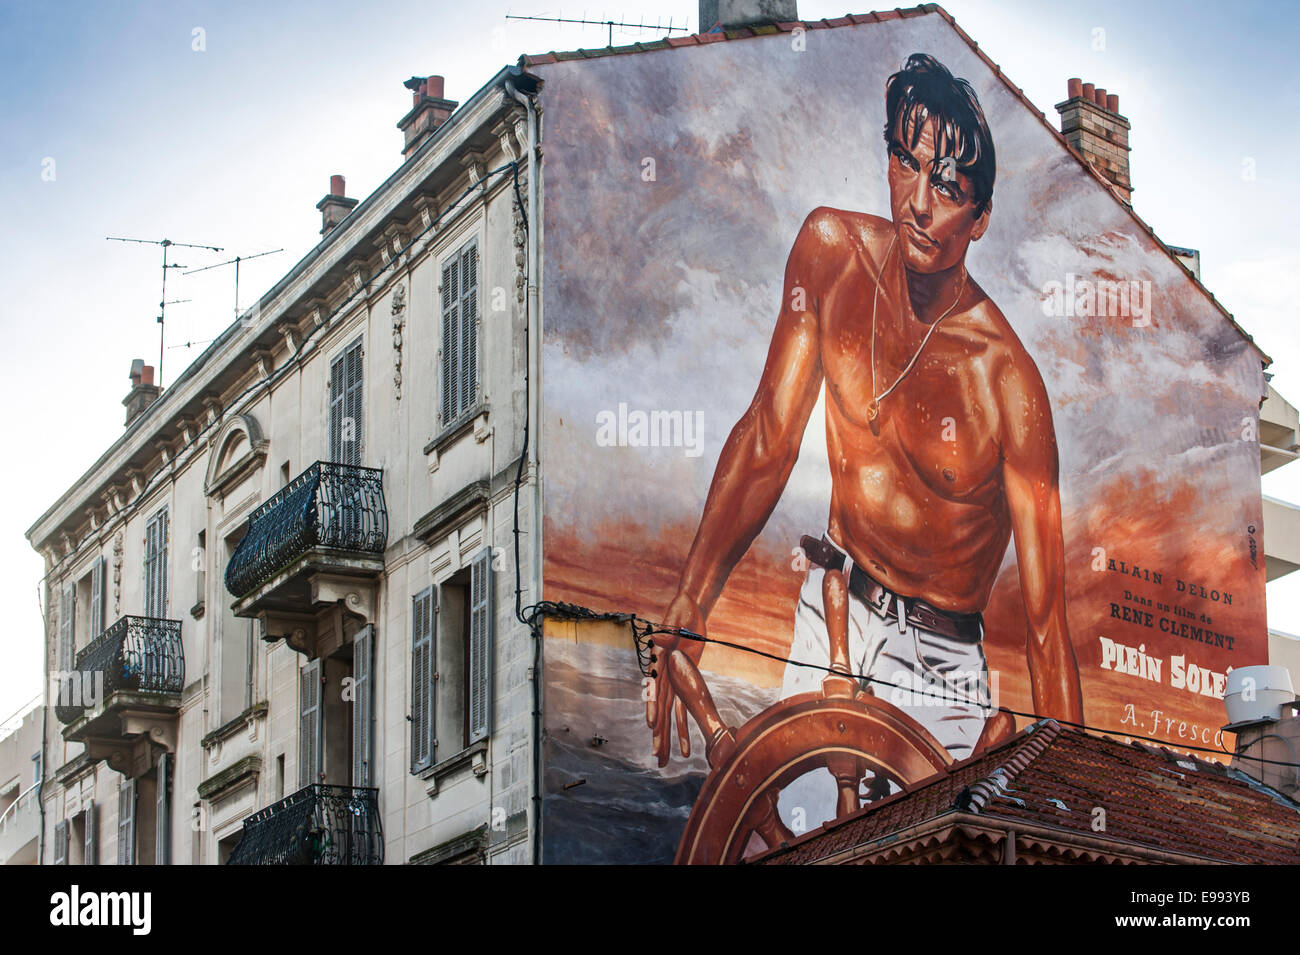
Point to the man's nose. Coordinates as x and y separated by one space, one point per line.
920 198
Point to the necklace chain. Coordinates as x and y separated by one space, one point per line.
874 408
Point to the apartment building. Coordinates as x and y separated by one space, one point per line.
21 756
281 607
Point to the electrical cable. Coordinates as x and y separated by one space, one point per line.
643 630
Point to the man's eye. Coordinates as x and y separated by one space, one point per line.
905 161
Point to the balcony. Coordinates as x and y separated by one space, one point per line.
318 825
328 523
126 678
20 828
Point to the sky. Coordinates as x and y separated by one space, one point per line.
220 124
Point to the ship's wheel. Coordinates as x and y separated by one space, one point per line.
842 730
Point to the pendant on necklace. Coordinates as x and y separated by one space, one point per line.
873 409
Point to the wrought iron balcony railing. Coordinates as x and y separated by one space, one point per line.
136 654
317 825
331 506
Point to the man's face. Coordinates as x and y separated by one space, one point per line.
932 210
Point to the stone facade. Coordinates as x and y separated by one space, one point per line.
246 419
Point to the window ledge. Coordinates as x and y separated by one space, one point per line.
474 755
230 728
476 419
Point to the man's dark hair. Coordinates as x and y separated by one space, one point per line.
924 89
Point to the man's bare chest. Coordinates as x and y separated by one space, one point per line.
934 424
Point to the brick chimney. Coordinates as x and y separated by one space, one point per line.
733 14
334 208
143 391
1091 123
429 110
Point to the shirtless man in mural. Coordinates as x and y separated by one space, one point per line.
939 435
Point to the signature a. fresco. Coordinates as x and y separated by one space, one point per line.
942 450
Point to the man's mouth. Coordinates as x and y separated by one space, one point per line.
918 237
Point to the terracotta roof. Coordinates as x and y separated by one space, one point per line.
702 39
1051 778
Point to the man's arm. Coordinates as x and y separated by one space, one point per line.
1030 475
758 456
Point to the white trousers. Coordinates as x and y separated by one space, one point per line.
941 683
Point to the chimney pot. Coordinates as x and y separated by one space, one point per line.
429 110
335 207
143 391
1104 146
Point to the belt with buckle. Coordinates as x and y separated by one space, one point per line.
967 627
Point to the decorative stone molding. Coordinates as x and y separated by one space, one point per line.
426 208
264 360
357 596
473 757
475 163
187 426
223 471
476 420
213 406
399 321
469 849
521 255
246 719
290 333
158 729
117 574
221 784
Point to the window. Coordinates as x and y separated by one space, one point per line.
97 621
67 611
459 333
423 615
346 405
363 708
310 728
155 566
451 664
237 651
126 806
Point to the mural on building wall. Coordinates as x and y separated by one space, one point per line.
915 429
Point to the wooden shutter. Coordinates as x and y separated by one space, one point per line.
67 610
155 566
126 823
450 340
338 394
97 598
480 647
423 629
353 401
468 360
363 707
61 843
92 834
163 812
309 725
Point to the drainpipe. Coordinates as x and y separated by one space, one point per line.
534 427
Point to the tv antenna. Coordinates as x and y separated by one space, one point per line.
235 261
622 24
162 299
